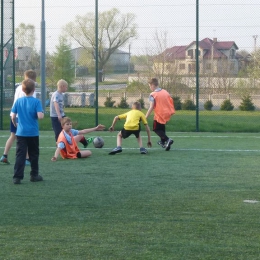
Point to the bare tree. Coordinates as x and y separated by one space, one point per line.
165 65
254 68
114 30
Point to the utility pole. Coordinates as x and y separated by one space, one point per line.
129 63
197 66
43 57
255 37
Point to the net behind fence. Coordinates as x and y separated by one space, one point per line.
143 39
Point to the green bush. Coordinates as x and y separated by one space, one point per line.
188 105
247 104
109 102
177 103
226 105
123 103
208 105
137 86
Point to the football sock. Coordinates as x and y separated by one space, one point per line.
83 141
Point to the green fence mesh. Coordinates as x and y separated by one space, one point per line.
143 39
7 57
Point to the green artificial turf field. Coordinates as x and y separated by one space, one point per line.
197 201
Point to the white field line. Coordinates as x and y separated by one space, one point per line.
172 149
154 149
171 136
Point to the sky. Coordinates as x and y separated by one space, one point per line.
226 20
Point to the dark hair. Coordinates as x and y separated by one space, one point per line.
28 86
137 105
153 81
30 74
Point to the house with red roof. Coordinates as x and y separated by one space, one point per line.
215 58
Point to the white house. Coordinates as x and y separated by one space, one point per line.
215 57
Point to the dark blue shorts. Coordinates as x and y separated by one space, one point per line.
12 127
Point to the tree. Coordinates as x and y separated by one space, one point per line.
254 68
50 77
247 104
25 35
226 105
35 60
63 62
114 31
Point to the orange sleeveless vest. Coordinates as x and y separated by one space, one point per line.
163 106
70 151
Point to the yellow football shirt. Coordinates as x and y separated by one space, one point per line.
133 119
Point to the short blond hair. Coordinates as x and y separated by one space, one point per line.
62 83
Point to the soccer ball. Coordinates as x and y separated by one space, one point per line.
98 142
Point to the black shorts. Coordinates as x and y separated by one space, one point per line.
127 133
78 155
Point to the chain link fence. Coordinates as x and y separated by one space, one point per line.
6 56
138 40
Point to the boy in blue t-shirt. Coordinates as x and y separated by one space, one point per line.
29 110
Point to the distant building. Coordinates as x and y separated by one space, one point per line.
23 57
119 61
215 58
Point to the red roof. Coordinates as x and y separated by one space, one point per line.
176 52
179 52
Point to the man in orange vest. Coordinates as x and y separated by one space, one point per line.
162 104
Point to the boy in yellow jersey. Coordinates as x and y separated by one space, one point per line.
162 104
131 126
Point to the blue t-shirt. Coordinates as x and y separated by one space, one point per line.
27 108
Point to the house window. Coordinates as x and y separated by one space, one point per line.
190 53
182 66
232 54
191 68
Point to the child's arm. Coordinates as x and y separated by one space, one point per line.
149 143
57 109
149 111
56 155
13 118
40 115
89 130
111 128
